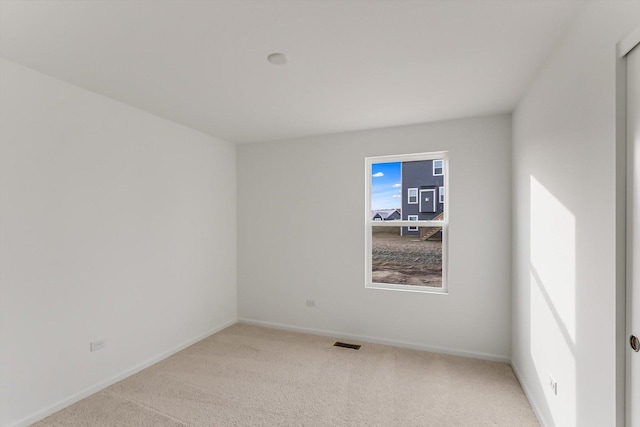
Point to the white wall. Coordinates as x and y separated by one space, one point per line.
115 224
301 236
564 299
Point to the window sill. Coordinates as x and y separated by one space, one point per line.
408 288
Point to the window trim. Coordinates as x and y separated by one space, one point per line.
409 202
415 219
441 195
434 168
369 223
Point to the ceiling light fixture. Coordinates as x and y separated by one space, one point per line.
278 58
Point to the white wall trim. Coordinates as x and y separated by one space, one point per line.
118 377
376 340
621 159
629 42
541 419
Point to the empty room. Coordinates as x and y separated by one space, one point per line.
320 213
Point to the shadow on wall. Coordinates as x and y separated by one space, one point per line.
562 315
552 300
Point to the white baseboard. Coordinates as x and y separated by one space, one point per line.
376 340
114 379
541 418
145 364
483 356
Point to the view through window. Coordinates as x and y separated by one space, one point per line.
407 222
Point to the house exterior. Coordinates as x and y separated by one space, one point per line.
422 192
386 214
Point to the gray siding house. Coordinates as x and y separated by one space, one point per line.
422 193
386 214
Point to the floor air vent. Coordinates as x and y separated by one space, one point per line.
346 345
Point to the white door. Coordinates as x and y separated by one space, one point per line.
633 234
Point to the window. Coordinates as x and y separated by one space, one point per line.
412 218
409 253
412 196
438 167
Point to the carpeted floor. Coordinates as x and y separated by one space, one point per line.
248 375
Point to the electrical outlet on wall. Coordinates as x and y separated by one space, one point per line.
97 345
311 303
553 385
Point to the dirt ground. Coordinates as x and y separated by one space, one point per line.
406 260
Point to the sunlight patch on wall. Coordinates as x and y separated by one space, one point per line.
553 254
553 355
553 300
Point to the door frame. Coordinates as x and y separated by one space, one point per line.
623 284
420 191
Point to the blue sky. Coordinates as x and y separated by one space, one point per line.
385 186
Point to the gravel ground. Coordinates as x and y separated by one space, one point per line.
406 260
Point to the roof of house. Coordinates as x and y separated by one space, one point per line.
384 213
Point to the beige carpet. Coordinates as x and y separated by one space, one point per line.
248 375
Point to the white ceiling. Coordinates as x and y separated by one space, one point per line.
352 64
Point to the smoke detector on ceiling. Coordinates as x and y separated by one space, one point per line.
278 58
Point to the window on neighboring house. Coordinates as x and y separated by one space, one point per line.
412 218
438 167
409 253
412 196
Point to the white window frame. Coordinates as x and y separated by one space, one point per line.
444 223
409 190
441 167
412 218
441 194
